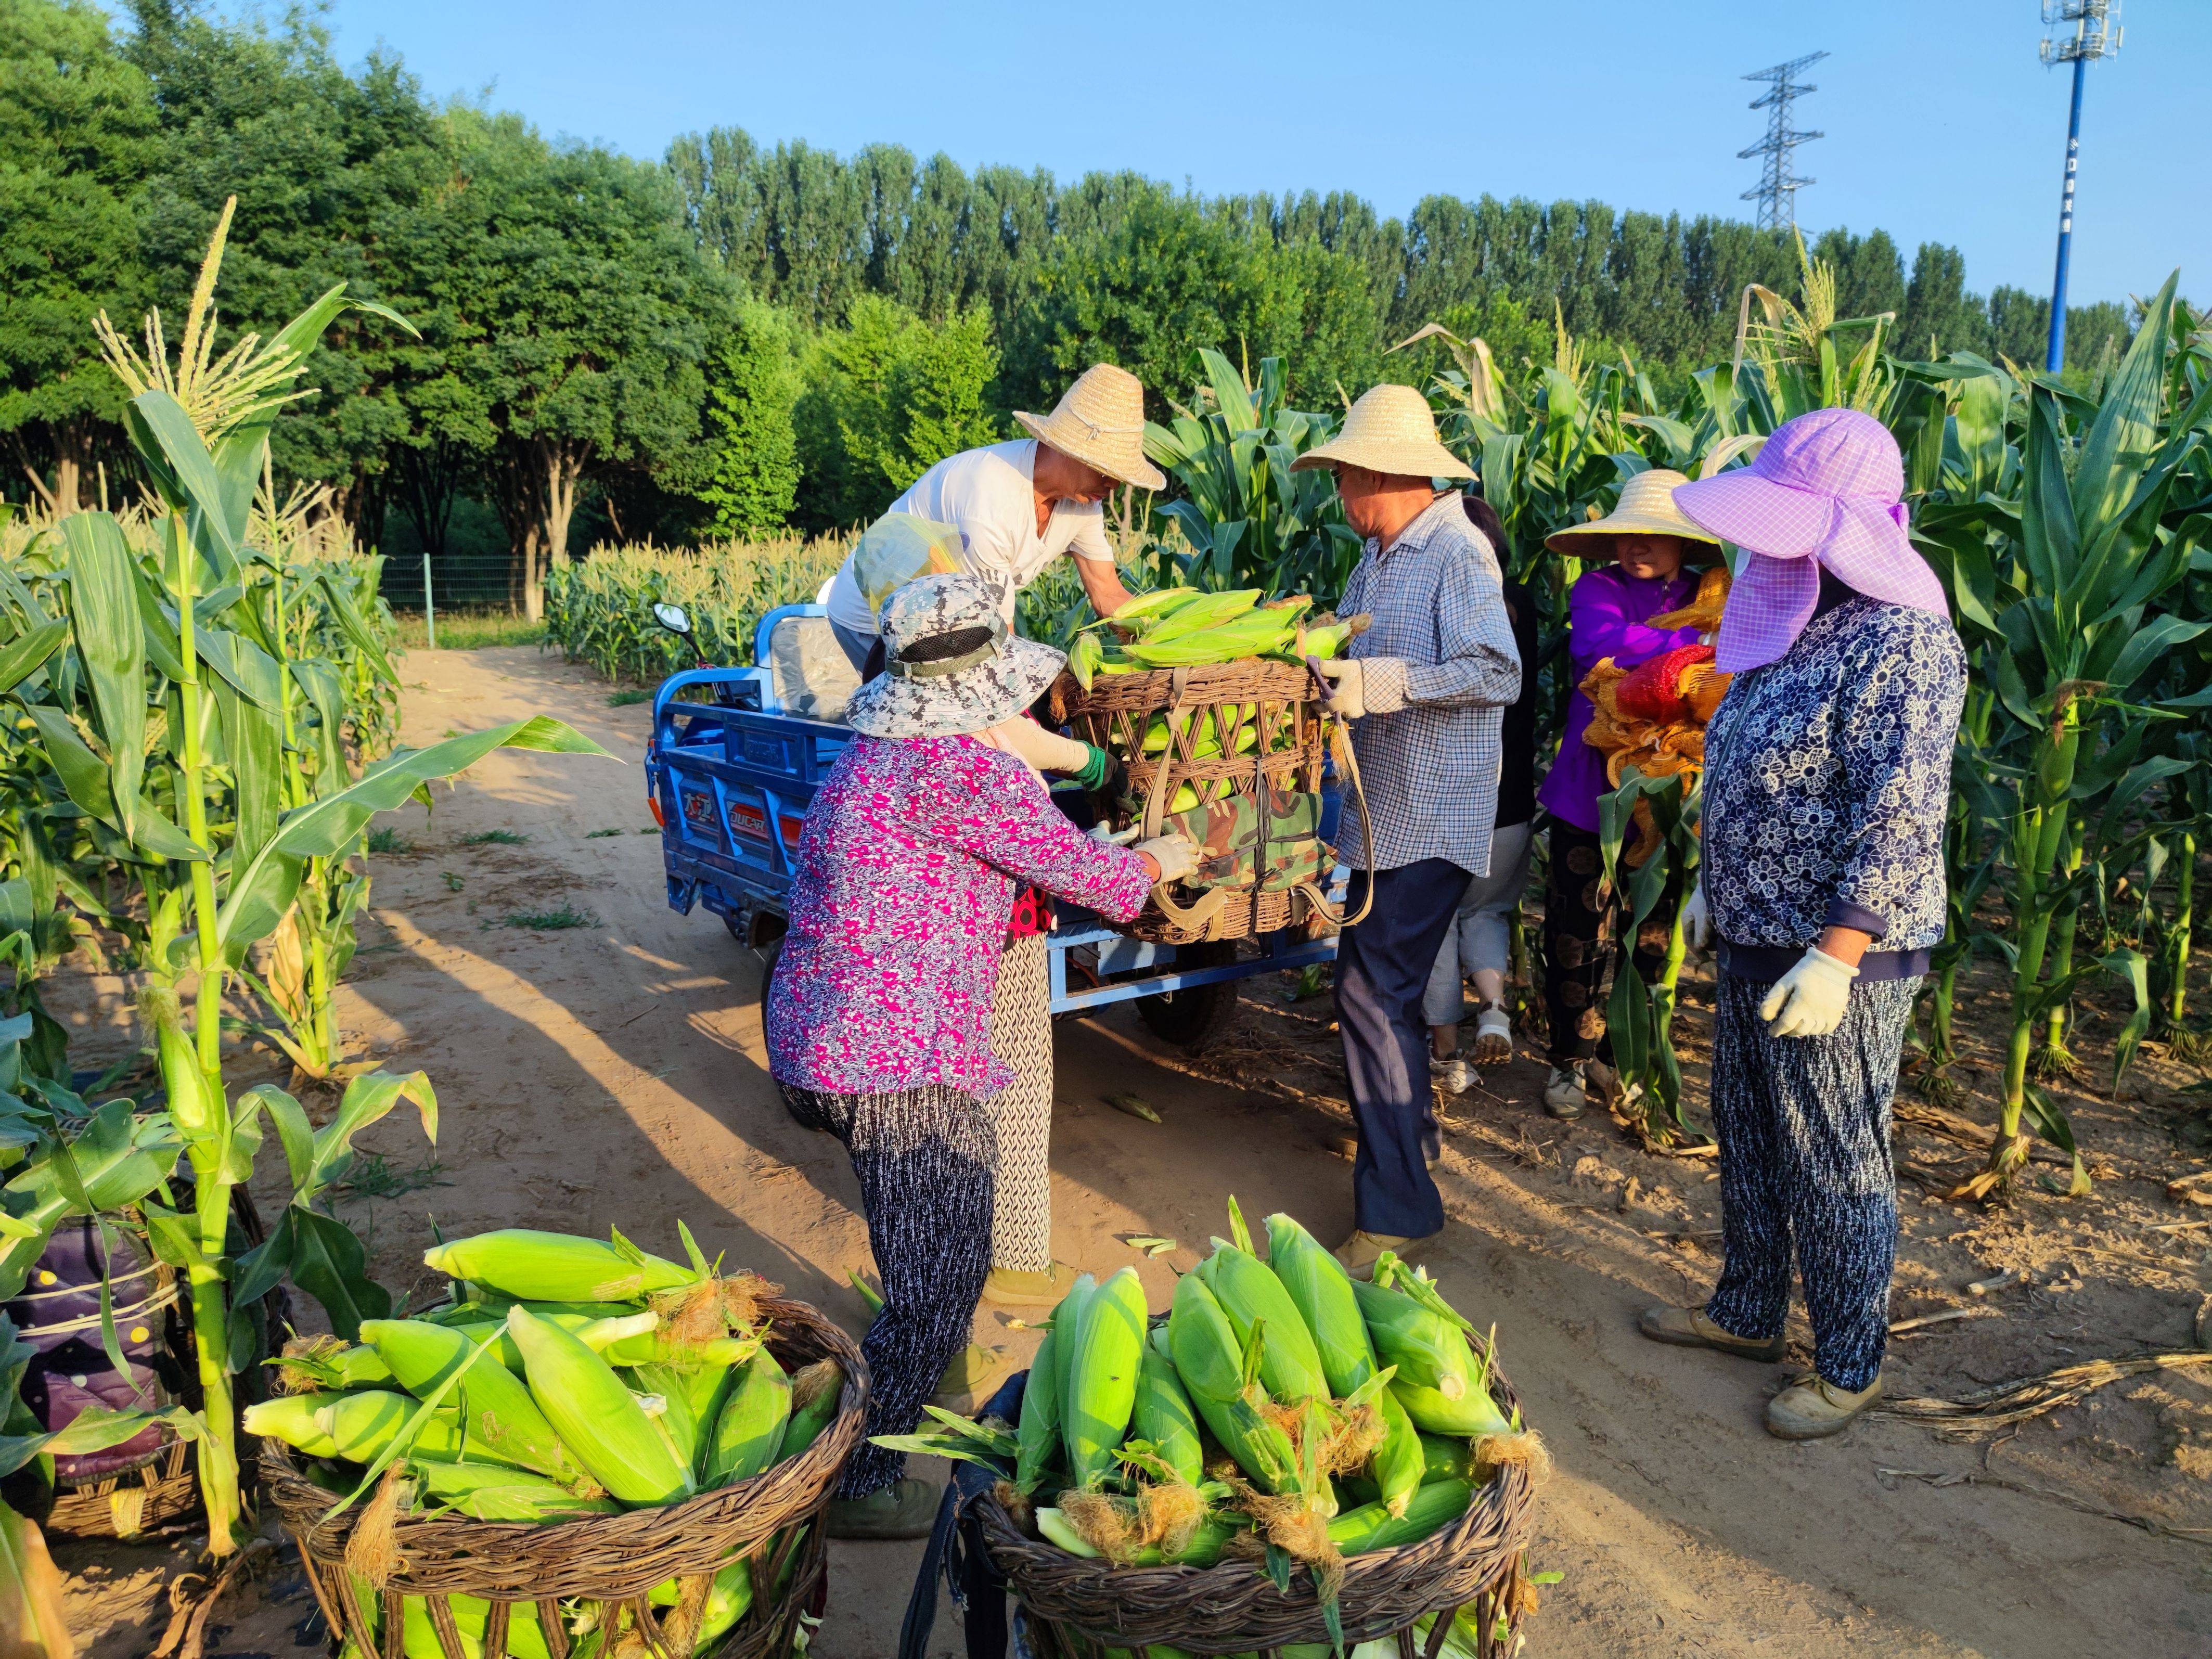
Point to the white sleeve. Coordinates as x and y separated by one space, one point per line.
1089 541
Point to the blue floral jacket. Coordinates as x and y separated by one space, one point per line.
1827 779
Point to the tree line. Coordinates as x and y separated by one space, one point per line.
739 338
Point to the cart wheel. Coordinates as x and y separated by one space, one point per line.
1194 1020
770 956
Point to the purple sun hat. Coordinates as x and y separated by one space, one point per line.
1825 490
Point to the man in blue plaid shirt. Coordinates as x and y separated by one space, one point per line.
1425 689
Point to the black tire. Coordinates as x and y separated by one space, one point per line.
770 956
1194 1020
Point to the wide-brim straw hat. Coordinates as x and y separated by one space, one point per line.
1646 507
1389 430
951 664
1100 420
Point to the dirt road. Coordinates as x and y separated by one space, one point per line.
612 1072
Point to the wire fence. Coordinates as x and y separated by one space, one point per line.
453 581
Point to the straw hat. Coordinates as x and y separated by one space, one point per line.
1646 508
1389 430
1100 420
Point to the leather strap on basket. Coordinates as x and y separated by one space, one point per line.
1193 918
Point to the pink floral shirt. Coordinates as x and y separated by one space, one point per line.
904 882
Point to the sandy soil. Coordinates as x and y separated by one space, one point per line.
612 1072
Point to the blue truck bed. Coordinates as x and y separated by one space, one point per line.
730 782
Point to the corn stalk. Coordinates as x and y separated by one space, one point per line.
1640 1017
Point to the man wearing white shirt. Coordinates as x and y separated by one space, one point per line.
1019 505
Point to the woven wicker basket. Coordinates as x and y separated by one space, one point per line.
165 1488
612 1560
1291 751
1076 1608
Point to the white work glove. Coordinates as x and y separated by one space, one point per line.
1808 1000
1348 687
1177 855
1696 920
1045 751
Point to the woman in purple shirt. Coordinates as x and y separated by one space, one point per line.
1609 615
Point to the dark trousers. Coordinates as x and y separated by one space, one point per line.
1381 969
1803 1127
927 1163
1581 918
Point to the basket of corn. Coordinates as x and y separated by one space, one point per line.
1285 1458
587 1450
1207 701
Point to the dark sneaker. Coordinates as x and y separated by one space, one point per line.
1688 1328
905 1509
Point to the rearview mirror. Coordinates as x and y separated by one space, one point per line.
672 617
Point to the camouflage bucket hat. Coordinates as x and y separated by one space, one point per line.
951 664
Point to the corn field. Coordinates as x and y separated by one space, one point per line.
200 721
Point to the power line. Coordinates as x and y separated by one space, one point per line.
2097 34
1778 183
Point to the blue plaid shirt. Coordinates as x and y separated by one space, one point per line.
1441 668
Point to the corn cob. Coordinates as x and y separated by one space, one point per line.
1142 605
1108 1342
1359 1532
487 1492
815 1395
691 1398
1200 612
1250 1294
290 1417
537 1266
1210 1366
1065 1319
329 1364
596 1334
1470 1412
1429 1352
1203 1550
1084 657
600 1420
1445 1457
471 1619
1399 1463
659 1346
749 1433
1320 1290
494 1401
1253 635
1163 1415
1038 1436
364 1425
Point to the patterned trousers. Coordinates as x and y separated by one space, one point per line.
1803 1127
1021 1036
925 1160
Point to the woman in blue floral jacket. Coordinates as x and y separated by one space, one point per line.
1828 771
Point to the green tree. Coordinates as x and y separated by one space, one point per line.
751 390
78 135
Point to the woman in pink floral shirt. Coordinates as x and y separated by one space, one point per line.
879 1019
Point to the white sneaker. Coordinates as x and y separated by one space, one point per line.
1563 1091
1454 1076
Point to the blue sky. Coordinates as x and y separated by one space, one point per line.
1940 123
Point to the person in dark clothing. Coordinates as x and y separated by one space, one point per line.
1479 944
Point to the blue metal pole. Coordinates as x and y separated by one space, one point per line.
2055 358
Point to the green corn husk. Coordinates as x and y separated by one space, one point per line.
596 1333
1199 613
364 1425
1164 1416
691 1398
486 1307
750 1431
325 1363
471 1619
486 1491
1322 1291
497 1405
604 1427
1203 1550
1065 1319
1249 1293
290 1417
660 1347
1399 1464
1209 1364
1142 606
1108 1342
1084 657
1445 1457
539 1267
1472 1413
1360 1531
815 1394
1430 1352
1038 1436
1257 634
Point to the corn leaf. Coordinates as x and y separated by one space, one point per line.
111 645
31 1622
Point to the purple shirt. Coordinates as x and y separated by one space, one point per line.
899 901
1606 616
